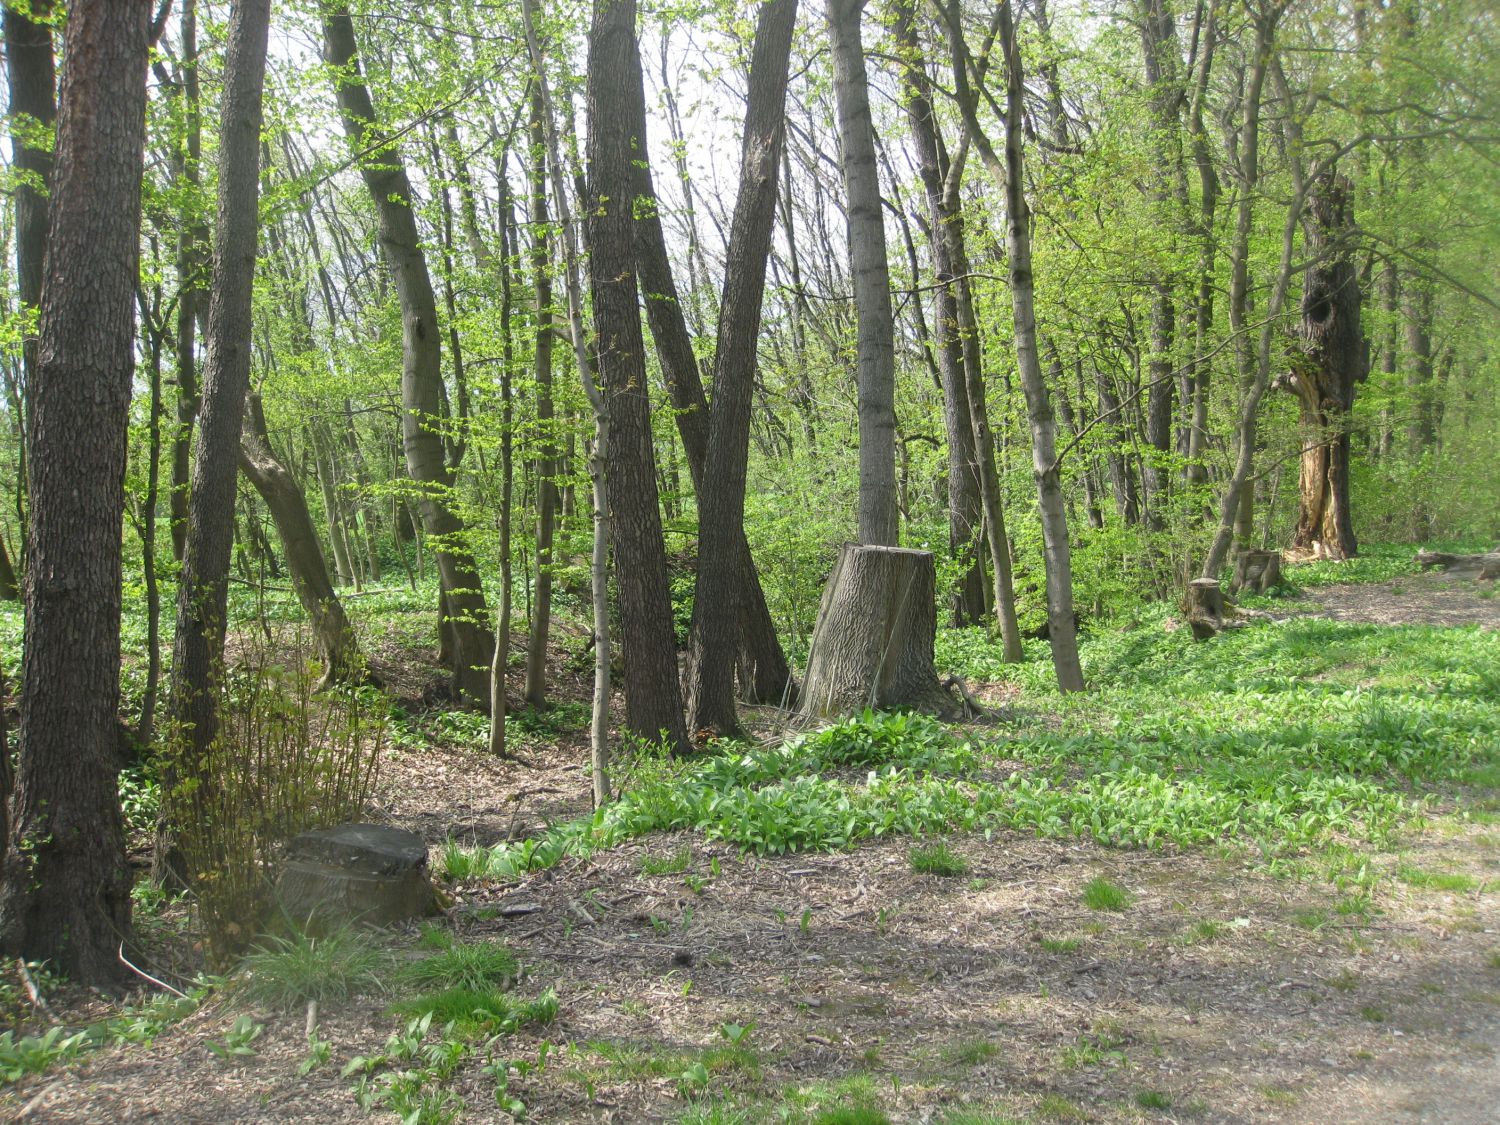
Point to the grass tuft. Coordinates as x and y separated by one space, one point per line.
287 971
937 859
1101 894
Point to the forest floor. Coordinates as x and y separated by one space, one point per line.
698 983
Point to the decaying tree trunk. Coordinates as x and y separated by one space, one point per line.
1324 381
873 643
1488 565
1256 571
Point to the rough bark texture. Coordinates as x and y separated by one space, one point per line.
203 586
653 698
287 504
1325 380
466 618
721 497
761 666
66 895
873 643
875 339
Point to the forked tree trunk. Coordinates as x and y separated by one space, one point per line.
873 643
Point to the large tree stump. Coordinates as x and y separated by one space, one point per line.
1256 571
1203 606
872 646
364 873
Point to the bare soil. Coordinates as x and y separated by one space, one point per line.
1224 992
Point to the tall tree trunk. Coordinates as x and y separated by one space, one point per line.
32 76
653 698
501 659
1421 430
964 504
466 617
1010 177
546 467
203 585
875 335
285 500
721 497
1324 382
66 893
191 263
763 672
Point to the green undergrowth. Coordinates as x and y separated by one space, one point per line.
1284 734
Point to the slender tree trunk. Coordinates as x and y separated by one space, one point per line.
285 500
466 617
66 893
31 73
875 338
653 698
203 585
599 563
1010 177
546 467
964 502
145 730
721 497
191 263
502 616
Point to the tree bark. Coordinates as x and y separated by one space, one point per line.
203 585
32 76
66 896
546 466
467 618
964 503
721 496
873 643
653 697
875 334
1062 624
761 665
1324 380
287 504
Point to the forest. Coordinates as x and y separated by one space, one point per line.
866 561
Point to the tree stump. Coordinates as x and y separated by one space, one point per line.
1490 569
1256 571
1203 606
364 873
872 646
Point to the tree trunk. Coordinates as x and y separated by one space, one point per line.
1324 381
1257 571
1203 606
721 496
287 504
873 643
66 896
875 334
32 76
467 618
203 585
964 502
761 665
653 698
1062 624
546 467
